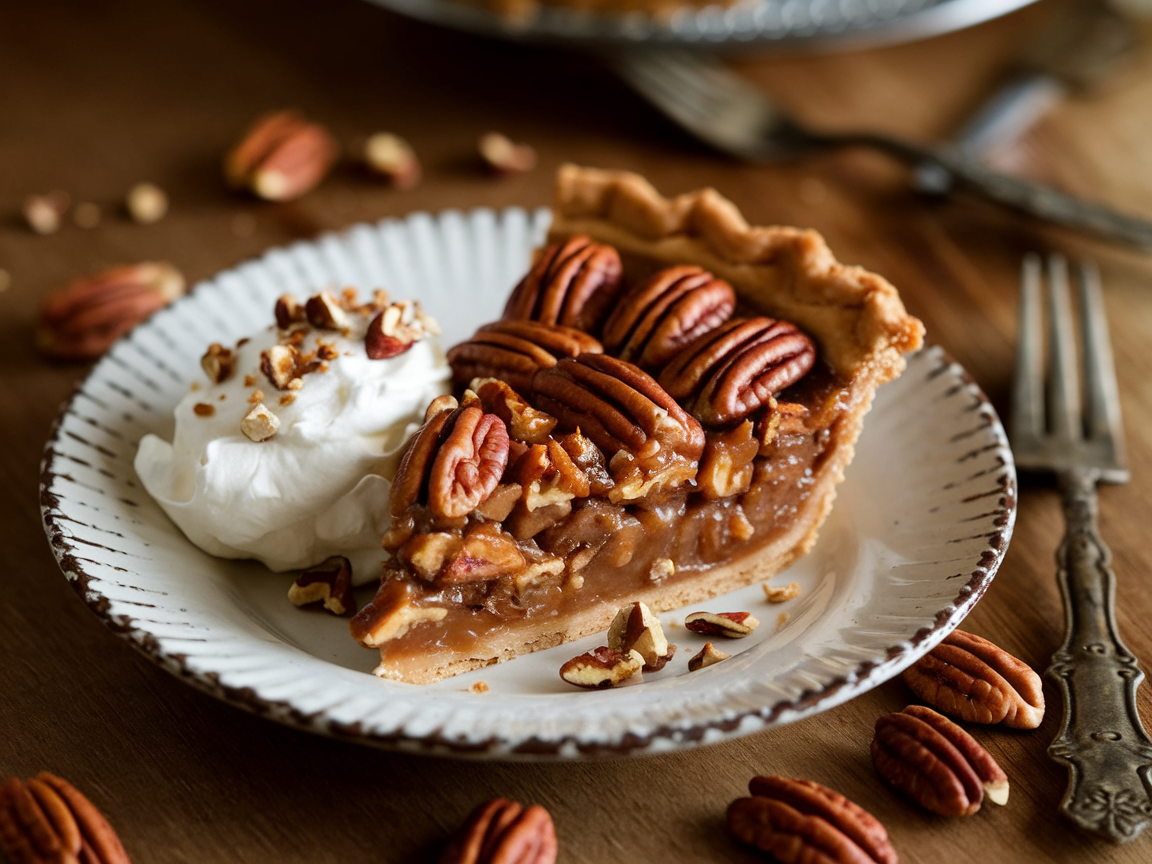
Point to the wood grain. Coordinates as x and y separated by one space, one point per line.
98 96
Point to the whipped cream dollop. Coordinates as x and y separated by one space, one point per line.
317 486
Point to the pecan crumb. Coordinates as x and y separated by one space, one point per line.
287 399
479 687
256 396
146 203
203 409
781 620
249 381
783 594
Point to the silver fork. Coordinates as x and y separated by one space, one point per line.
1101 740
700 94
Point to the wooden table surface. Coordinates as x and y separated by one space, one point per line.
98 96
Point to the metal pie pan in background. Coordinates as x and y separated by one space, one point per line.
920 526
783 24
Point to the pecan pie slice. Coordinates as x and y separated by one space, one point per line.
662 414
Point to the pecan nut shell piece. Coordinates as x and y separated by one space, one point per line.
653 322
514 351
969 677
650 441
728 373
573 283
935 762
799 821
504 832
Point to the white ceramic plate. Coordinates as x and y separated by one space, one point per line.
921 525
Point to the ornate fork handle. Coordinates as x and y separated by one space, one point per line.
1101 740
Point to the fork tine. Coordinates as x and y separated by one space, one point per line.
646 72
1066 420
1101 393
1028 381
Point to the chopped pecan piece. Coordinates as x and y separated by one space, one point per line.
732 625
801 821
396 328
524 422
601 668
707 656
514 351
727 374
503 832
636 628
218 363
969 677
588 458
653 443
330 583
289 312
278 363
930 758
653 322
259 424
324 310
548 475
573 283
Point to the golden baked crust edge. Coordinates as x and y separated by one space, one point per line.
856 316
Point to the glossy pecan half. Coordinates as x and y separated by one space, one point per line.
727 374
935 762
514 351
573 283
800 821
504 832
653 322
451 466
650 441
969 677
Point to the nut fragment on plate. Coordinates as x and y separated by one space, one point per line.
602 667
504 832
146 203
967 676
390 158
707 656
636 628
935 762
81 320
799 821
218 363
281 157
503 156
46 819
732 625
781 594
329 582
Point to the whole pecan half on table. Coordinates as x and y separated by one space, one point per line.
800 821
504 832
573 283
47 819
281 156
939 765
969 677
654 321
731 371
81 320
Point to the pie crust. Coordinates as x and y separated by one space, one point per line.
686 546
